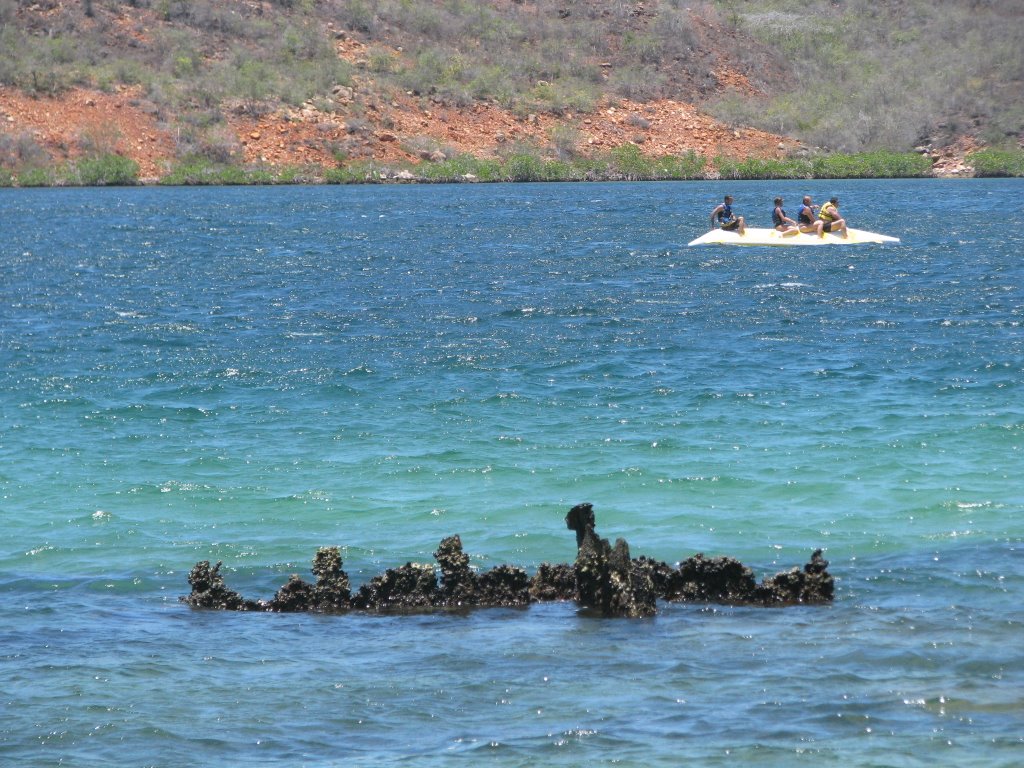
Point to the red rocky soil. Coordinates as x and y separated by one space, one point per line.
359 123
78 119
403 128
398 130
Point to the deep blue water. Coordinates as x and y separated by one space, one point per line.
248 374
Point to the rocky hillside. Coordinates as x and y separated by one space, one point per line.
332 82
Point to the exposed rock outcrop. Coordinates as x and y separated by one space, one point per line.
604 579
210 591
411 587
553 582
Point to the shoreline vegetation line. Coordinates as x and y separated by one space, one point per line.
624 163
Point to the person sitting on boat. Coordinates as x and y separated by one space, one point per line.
726 219
782 222
806 219
829 214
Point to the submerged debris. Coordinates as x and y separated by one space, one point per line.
604 579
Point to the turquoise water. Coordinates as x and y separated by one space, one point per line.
248 374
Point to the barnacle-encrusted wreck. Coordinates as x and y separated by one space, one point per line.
604 579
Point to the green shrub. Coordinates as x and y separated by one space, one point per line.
99 140
558 98
637 83
864 165
560 170
213 144
359 15
590 168
758 168
997 162
458 168
871 165
629 163
523 166
253 82
688 166
37 177
641 47
365 172
441 72
381 61
254 176
201 171
104 171
566 140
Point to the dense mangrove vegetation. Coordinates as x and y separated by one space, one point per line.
622 164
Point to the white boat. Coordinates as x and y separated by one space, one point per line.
756 236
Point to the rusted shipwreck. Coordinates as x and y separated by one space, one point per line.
604 580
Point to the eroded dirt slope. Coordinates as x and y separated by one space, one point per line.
363 121
398 130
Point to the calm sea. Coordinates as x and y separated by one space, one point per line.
248 374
